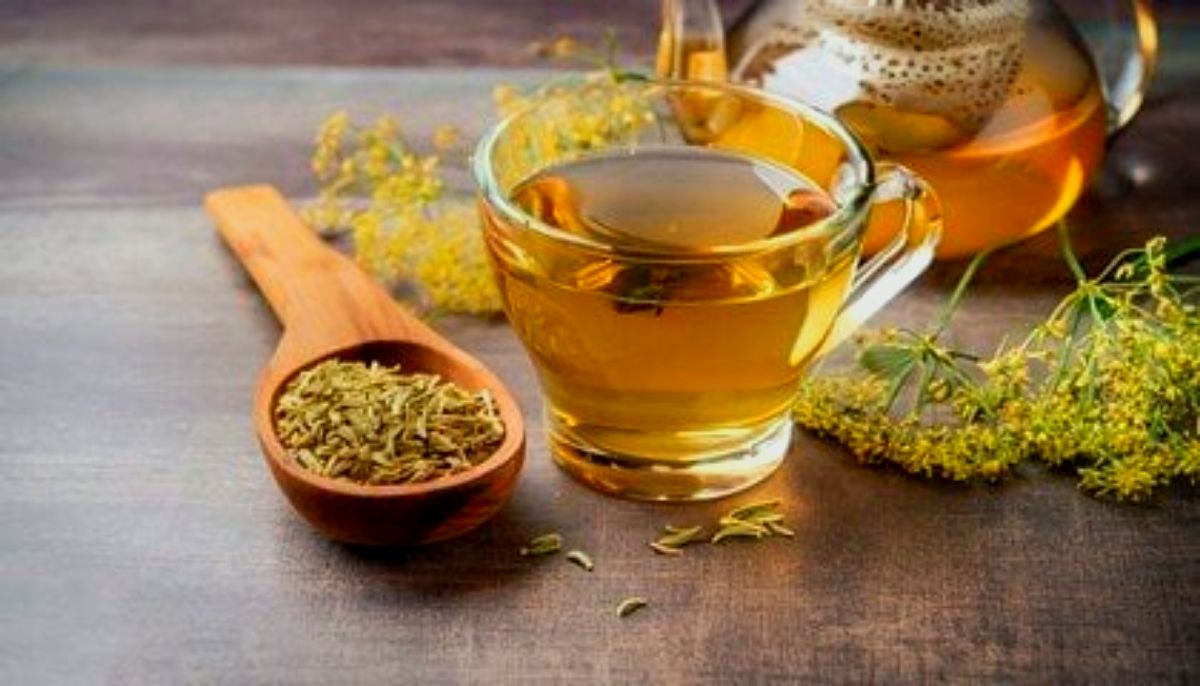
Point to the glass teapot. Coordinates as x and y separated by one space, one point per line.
998 103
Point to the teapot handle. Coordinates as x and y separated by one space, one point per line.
1126 89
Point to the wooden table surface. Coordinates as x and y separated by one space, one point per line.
142 540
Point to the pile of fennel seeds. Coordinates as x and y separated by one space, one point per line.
372 424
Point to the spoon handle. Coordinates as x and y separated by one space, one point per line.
321 296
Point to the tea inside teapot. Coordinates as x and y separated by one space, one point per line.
997 103
954 62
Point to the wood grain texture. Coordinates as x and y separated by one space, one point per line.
349 32
141 541
355 32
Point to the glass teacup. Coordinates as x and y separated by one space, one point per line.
673 256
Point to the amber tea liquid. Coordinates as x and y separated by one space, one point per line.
1028 164
996 103
661 359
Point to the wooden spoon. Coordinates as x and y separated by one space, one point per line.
330 308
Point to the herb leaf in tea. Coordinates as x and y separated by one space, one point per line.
371 424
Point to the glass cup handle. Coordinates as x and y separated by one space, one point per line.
881 278
1126 89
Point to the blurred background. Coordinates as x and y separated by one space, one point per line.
367 32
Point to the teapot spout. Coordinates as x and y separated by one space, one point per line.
692 42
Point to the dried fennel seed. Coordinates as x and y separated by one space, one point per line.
371 424
675 537
630 605
582 559
756 520
546 544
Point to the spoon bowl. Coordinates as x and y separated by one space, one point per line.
331 309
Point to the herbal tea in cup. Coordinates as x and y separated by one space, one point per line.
673 255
